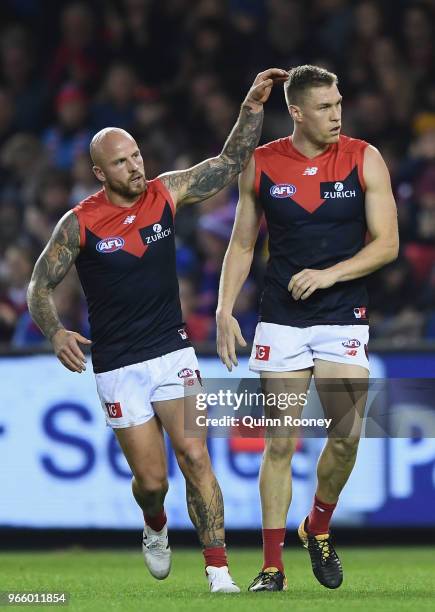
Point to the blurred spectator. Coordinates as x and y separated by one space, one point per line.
84 180
52 201
10 224
19 74
17 269
393 298
199 326
7 125
77 58
70 136
116 103
22 159
418 31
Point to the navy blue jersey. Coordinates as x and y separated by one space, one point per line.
315 213
127 270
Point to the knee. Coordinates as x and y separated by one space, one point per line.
193 459
151 484
280 449
344 449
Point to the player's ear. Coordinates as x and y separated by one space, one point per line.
295 113
99 173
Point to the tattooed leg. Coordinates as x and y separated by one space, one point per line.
204 497
206 510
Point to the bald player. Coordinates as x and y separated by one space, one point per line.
121 240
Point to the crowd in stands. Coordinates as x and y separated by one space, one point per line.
174 73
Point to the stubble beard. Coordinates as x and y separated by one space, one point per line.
127 192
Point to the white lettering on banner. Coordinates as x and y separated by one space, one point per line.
406 453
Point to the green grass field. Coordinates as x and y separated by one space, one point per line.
384 579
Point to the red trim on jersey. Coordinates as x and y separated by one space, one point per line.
77 212
360 164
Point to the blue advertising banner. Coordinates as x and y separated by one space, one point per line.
60 466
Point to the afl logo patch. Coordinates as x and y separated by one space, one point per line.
185 373
282 190
351 343
110 245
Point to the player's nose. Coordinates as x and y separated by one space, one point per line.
133 165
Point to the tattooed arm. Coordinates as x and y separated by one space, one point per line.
51 267
210 176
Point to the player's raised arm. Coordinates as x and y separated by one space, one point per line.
236 266
210 176
51 267
381 217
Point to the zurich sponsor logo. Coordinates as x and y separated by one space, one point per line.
185 373
338 186
352 343
110 245
282 190
157 228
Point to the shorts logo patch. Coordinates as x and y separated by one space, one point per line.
360 313
351 352
262 352
183 334
113 410
351 343
282 190
185 373
110 245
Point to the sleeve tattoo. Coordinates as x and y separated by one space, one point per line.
210 176
51 267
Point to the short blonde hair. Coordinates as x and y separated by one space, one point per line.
302 78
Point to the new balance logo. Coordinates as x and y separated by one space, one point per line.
310 171
129 219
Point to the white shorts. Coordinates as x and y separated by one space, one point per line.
281 348
126 394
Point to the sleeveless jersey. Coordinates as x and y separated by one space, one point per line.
315 213
127 270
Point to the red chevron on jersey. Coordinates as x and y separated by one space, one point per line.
284 165
122 226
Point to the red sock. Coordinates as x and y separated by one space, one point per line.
320 517
215 556
156 522
273 542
